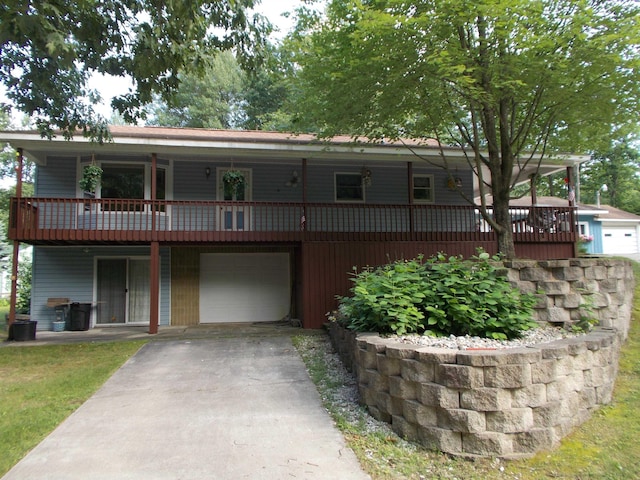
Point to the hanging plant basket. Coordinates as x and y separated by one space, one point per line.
234 179
91 176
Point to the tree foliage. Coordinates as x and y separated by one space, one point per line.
8 157
50 49
269 93
211 100
228 97
509 81
615 173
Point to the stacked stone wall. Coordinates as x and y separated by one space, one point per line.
605 285
508 403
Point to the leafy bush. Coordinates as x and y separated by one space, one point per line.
23 292
439 296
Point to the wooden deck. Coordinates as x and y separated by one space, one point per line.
72 221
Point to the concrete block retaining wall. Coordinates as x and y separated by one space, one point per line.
508 403
604 283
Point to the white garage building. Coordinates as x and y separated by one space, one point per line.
620 231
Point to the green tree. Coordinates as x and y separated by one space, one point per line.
228 97
268 94
510 81
212 100
5 195
619 169
8 157
50 49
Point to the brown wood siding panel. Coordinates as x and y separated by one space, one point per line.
185 286
326 267
545 251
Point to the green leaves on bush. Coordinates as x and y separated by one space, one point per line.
439 296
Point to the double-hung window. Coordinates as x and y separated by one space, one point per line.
349 187
423 188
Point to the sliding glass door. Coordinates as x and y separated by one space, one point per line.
123 291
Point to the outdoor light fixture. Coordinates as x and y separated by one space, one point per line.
366 177
207 172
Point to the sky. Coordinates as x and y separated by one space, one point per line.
272 9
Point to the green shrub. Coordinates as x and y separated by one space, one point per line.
387 299
440 296
23 292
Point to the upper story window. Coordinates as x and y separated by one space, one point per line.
349 187
122 181
126 181
131 181
423 188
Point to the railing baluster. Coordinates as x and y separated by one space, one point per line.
115 220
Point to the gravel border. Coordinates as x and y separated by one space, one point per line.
529 338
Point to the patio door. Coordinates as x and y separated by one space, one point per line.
234 216
123 291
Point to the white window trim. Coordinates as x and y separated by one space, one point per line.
147 177
335 187
586 228
431 178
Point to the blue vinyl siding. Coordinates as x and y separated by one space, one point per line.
595 230
68 272
269 181
59 180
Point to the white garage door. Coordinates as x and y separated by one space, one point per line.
619 240
244 287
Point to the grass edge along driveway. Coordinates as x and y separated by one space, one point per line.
40 386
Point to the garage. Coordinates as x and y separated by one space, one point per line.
244 287
619 239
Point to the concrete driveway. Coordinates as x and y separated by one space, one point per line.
214 408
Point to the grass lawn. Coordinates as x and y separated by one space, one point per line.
40 386
605 447
4 309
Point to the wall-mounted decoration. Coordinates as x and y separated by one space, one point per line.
294 180
454 183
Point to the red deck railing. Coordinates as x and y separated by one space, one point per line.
75 221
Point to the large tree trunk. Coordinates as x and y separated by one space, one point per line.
505 230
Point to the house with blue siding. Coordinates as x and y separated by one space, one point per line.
602 229
169 237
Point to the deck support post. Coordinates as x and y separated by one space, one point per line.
16 244
154 264
571 196
154 298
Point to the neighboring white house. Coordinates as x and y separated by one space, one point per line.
620 231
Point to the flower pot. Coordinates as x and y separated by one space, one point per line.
58 326
23 330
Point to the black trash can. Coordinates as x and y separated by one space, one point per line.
23 330
79 316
